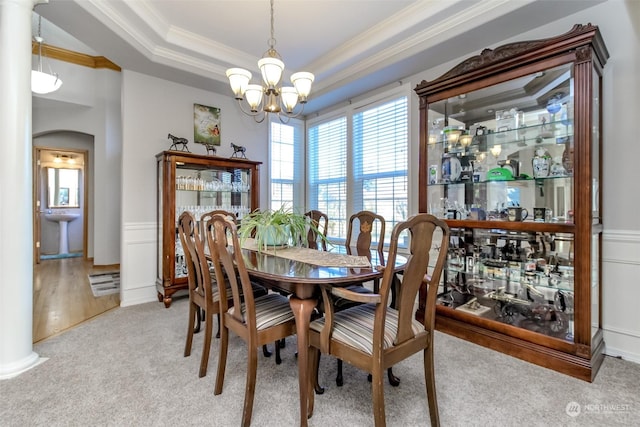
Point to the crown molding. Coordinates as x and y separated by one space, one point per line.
72 57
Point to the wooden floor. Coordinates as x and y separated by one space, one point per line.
62 296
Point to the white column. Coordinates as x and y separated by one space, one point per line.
16 213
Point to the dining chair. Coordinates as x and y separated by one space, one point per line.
359 241
257 320
203 219
321 221
258 289
374 336
202 290
202 287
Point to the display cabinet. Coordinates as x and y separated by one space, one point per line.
510 156
198 184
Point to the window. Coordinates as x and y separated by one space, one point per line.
286 165
327 188
380 162
368 171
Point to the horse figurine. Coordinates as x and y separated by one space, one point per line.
178 141
210 148
238 151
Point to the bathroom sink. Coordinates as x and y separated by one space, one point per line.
61 216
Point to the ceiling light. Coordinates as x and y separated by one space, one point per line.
42 82
57 159
465 140
270 96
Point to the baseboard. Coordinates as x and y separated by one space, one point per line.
142 295
622 344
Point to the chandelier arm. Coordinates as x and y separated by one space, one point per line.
293 115
251 113
285 120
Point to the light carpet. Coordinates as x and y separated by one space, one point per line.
126 368
105 283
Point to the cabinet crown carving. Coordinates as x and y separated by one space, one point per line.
519 53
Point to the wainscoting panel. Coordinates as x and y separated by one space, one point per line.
138 264
621 293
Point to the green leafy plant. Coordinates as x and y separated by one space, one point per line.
277 228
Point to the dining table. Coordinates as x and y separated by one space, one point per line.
301 272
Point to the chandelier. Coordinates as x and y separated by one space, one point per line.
270 96
42 82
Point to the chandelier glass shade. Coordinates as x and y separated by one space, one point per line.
270 96
41 82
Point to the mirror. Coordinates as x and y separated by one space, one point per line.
63 188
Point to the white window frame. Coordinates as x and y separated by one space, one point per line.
299 172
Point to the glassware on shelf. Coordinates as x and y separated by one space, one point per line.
541 163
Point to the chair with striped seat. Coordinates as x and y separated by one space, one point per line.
203 291
256 320
258 289
374 336
202 287
360 230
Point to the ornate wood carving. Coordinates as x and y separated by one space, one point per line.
583 54
508 52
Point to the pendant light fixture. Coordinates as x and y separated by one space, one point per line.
270 96
42 82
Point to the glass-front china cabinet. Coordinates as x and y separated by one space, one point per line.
510 156
199 184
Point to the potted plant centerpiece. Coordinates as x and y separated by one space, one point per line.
277 228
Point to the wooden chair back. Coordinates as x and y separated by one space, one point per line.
422 229
226 256
193 247
360 232
208 215
321 221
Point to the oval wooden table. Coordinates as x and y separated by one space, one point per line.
303 281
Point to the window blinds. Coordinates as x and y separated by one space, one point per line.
327 165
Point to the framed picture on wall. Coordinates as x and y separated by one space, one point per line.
206 125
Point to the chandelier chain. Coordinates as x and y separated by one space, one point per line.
272 39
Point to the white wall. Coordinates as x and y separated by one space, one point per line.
89 102
151 109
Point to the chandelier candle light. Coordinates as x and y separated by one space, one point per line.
42 82
270 97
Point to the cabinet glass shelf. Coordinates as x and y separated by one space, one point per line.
523 279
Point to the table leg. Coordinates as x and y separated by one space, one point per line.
302 309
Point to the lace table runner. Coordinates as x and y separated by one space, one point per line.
313 256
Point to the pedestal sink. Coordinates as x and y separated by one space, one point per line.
62 218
